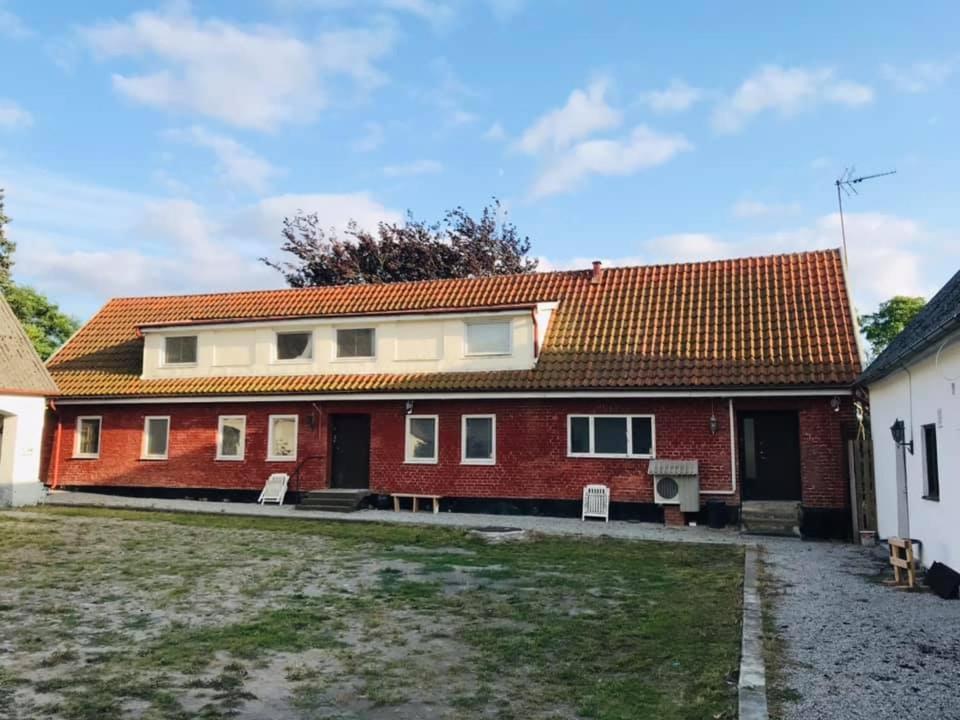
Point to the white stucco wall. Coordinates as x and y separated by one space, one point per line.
935 400
23 419
403 345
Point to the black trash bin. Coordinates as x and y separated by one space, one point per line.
716 514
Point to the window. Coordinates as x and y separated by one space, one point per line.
355 343
156 438
295 346
488 338
421 442
931 469
610 436
180 350
282 438
479 440
231 437
87 442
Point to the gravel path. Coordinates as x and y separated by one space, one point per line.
855 647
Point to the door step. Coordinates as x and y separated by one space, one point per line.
771 517
333 500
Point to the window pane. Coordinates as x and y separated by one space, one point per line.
749 449
180 349
610 435
488 338
89 437
642 435
284 438
355 343
231 436
580 435
294 346
479 441
933 469
422 441
157 436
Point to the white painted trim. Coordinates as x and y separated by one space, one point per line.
426 396
196 347
355 319
143 443
614 456
296 438
407 455
337 357
277 360
492 460
76 437
243 438
733 459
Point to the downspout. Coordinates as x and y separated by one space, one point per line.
536 334
55 483
733 458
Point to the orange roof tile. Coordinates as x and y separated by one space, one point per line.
776 321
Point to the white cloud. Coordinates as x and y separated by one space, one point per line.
13 116
756 209
495 133
504 10
786 91
449 94
371 139
418 167
238 164
11 25
585 112
436 13
643 148
920 76
336 210
676 97
252 77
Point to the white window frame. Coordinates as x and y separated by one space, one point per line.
491 321
292 361
355 358
629 421
77 434
408 457
163 352
492 460
296 438
144 442
243 438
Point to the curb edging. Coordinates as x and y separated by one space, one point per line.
753 681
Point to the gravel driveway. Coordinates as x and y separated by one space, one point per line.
856 648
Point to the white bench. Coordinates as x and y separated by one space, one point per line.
417 497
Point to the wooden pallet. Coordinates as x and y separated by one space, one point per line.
901 558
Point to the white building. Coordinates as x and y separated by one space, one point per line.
24 387
916 382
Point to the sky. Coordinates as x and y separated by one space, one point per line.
155 148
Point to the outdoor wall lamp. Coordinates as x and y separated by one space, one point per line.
898 432
409 407
835 403
714 424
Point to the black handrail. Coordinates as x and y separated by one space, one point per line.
295 475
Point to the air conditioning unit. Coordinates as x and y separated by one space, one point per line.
676 482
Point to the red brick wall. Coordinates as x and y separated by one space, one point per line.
531 448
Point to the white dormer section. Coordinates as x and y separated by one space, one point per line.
409 343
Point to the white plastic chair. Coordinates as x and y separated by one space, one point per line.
596 502
275 489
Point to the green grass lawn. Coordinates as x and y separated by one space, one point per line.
153 615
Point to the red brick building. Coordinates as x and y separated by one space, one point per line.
517 390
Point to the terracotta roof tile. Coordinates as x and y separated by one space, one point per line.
776 321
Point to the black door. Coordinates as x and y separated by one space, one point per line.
770 455
350 441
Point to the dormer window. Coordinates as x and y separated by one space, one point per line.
490 337
294 346
355 343
181 350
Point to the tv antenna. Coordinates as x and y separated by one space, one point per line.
848 183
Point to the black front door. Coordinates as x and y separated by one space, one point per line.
350 455
770 455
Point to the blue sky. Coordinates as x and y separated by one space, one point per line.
155 148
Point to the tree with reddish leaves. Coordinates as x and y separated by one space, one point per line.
456 247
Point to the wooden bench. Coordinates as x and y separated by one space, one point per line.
416 497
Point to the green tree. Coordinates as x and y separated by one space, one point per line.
881 327
47 327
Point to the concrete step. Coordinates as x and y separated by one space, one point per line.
333 500
771 517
